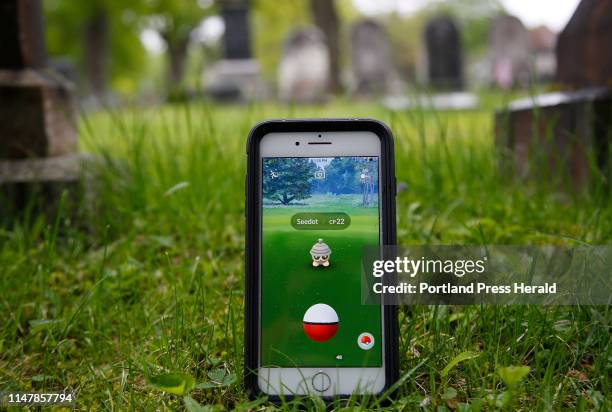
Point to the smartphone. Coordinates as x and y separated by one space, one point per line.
317 193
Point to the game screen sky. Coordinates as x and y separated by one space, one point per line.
318 214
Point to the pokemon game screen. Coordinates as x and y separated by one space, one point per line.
317 215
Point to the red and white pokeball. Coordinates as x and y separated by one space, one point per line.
365 341
321 322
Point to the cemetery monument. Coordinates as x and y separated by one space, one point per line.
371 62
237 76
304 70
568 132
509 52
38 138
443 54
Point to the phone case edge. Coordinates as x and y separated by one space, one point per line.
251 299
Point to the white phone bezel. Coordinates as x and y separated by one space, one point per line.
297 381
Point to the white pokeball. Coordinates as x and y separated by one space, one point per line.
321 322
365 341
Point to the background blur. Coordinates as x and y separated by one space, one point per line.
122 161
147 49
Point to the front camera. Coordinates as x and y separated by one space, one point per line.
297 143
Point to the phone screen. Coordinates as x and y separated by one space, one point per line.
317 215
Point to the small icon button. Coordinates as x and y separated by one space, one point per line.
321 382
365 341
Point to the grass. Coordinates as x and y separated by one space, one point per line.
145 276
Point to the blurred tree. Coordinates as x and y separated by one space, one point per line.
175 20
102 36
404 36
325 17
272 21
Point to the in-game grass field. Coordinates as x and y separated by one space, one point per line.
145 276
290 285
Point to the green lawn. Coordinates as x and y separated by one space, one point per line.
146 275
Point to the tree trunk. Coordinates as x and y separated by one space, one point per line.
177 57
95 51
325 18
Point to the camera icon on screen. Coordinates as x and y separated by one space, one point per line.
319 174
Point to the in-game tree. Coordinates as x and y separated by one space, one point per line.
286 180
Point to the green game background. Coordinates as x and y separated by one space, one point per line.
290 285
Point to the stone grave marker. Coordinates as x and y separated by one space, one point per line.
543 41
371 63
509 52
568 132
38 139
558 135
584 56
237 76
444 53
35 104
304 70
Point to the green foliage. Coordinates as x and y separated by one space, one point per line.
271 22
287 180
175 19
191 405
512 375
64 28
176 383
463 356
346 177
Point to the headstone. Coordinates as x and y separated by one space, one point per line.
444 53
543 41
36 106
237 76
509 52
237 38
568 133
37 124
371 62
564 135
304 72
583 48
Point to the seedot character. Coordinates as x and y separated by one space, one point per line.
320 254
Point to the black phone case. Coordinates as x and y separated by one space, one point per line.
251 291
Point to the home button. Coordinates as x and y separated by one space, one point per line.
321 382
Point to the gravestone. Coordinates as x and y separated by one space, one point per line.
509 52
371 62
543 41
568 132
304 68
583 48
36 105
563 135
444 53
37 127
237 76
